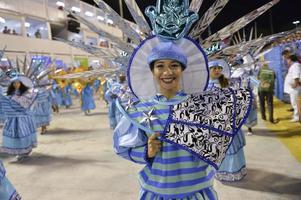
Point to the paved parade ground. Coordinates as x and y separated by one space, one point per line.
75 161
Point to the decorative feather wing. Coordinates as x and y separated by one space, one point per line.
195 5
115 40
238 24
120 22
138 16
207 18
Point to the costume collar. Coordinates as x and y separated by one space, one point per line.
178 98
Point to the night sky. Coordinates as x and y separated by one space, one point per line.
282 15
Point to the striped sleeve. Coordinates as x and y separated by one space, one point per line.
139 155
130 142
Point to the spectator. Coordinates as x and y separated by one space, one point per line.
267 77
38 34
285 54
292 84
14 32
5 30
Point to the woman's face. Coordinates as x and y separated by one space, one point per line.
289 62
168 74
17 85
215 72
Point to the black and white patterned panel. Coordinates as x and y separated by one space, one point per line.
213 108
209 145
243 103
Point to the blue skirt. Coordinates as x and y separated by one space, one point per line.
252 118
19 135
233 167
7 190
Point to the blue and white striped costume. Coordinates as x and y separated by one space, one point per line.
88 98
41 109
233 167
7 190
19 132
173 173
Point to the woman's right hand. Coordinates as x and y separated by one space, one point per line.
154 145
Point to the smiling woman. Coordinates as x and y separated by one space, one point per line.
167 62
173 127
169 169
168 74
162 133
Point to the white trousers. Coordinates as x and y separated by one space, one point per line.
293 97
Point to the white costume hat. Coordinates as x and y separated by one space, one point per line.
222 63
23 79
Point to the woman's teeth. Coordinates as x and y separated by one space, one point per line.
167 80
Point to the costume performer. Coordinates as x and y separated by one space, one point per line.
178 131
56 97
116 90
41 110
87 98
19 132
67 100
233 167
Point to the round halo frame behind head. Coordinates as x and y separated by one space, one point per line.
195 76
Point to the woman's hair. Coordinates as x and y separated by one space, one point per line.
122 78
152 65
293 58
223 81
286 52
11 89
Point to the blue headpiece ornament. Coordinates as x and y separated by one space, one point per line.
171 19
